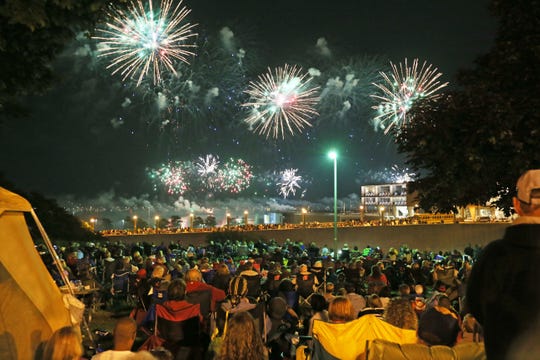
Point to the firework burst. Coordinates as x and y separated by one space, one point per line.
175 177
207 168
235 176
281 102
288 182
401 89
141 40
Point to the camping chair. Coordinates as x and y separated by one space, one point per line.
179 333
204 299
348 340
120 287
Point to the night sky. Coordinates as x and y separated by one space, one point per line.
93 134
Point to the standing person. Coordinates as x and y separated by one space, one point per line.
124 334
502 290
243 340
65 344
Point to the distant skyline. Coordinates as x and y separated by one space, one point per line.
93 135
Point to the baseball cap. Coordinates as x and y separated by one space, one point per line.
526 186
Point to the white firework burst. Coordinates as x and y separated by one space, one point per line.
289 182
140 40
281 102
401 89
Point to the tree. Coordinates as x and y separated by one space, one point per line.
58 223
210 221
472 145
32 34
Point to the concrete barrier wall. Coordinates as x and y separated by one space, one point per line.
423 237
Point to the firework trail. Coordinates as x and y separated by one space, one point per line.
288 182
140 41
281 102
401 89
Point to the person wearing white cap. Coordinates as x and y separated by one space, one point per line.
503 291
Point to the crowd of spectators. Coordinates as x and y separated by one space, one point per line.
295 282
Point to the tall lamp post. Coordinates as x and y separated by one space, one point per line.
304 212
156 219
245 217
333 155
135 223
93 222
381 209
228 220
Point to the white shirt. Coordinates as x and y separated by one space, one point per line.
114 355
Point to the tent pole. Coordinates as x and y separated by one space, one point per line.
60 269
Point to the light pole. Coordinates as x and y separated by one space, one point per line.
381 209
156 218
333 155
304 212
191 219
245 217
93 222
361 213
228 220
135 223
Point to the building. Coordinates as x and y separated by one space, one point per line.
386 201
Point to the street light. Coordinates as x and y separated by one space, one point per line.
361 213
135 223
191 219
228 220
333 155
381 209
304 212
245 217
93 222
156 218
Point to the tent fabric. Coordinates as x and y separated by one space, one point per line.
31 305
348 341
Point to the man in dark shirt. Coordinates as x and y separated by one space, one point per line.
503 291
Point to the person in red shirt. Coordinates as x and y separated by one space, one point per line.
194 283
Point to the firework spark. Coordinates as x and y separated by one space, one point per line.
140 41
288 182
281 102
401 89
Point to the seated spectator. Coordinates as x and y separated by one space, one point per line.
328 293
242 340
124 334
253 280
404 290
373 306
401 314
357 300
376 280
471 330
222 277
194 283
65 344
319 311
306 282
341 310
438 326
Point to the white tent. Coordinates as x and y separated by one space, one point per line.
31 304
